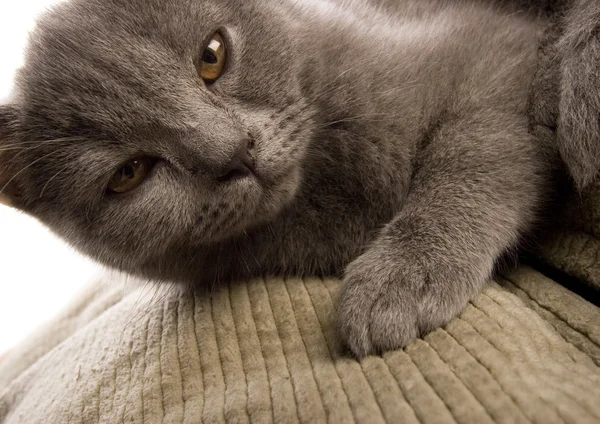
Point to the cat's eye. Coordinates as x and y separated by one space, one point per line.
130 175
213 59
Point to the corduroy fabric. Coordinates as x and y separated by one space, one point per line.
526 350
574 244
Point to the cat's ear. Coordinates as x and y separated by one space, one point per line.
578 124
9 191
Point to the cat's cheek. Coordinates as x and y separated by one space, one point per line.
280 194
131 230
280 161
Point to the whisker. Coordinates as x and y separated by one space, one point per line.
60 171
37 143
24 169
374 96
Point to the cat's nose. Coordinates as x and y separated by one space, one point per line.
240 165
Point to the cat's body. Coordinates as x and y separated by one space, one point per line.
359 168
391 136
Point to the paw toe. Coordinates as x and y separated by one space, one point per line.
354 333
393 324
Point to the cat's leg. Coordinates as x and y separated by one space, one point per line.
476 188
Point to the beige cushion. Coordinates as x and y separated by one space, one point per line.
574 245
527 349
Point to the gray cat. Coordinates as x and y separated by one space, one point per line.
211 140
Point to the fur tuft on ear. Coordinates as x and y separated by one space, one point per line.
9 192
579 108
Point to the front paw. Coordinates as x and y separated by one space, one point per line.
391 296
378 306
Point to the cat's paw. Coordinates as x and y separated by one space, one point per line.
378 303
388 299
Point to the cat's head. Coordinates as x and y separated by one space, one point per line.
145 126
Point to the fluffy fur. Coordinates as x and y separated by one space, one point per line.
391 140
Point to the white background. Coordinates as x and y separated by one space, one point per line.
38 273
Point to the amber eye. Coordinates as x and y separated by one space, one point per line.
213 59
131 175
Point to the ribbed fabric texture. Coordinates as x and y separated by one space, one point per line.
526 350
574 244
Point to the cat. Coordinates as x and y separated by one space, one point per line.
387 142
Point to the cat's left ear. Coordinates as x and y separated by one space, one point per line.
9 191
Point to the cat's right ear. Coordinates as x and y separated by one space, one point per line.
9 192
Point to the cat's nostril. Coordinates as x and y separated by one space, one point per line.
241 165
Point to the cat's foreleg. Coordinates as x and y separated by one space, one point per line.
476 188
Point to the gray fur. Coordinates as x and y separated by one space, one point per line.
565 96
579 105
390 136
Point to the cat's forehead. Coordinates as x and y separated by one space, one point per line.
129 29
112 65
105 61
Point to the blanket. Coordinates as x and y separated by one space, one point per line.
526 350
574 244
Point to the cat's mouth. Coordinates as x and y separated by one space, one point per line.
260 179
252 194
